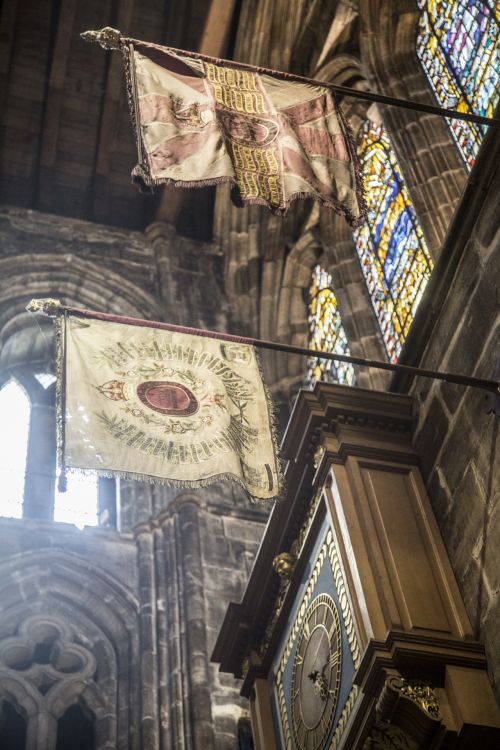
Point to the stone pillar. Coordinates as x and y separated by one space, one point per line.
147 614
196 636
190 279
162 630
107 502
136 504
355 307
41 731
176 705
41 463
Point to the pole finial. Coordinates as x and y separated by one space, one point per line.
48 306
107 37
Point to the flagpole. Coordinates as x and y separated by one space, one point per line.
110 38
54 308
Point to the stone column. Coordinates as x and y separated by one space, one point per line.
176 706
41 463
196 635
190 278
147 614
355 307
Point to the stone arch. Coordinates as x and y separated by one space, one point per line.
261 252
284 314
434 171
28 343
28 349
101 614
339 252
83 284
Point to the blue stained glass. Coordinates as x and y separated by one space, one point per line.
459 46
391 247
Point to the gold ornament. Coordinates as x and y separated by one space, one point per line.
48 306
107 37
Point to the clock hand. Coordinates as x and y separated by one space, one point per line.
320 683
317 651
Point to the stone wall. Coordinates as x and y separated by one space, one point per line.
135 609
456 434
142 608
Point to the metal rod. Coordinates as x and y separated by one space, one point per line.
110 38
53 307
368 96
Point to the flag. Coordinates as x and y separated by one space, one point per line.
201 123
165 406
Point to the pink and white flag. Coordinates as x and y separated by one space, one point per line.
201 122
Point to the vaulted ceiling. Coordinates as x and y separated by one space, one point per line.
66 145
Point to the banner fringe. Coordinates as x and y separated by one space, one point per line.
60 329
176 483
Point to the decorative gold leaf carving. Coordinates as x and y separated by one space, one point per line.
421 694
284 565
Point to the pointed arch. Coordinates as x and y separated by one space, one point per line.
391 247
95 614
326 332
458 44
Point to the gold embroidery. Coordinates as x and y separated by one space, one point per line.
257 172
237 90
256 169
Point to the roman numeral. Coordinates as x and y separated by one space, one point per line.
299 659
334 658
332 631
307 630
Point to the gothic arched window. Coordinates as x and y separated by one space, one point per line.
78 505
75 730
12 728
326 332
390 244
15 411
458 45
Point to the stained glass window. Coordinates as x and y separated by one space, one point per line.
15 411
326 332
390 244
458 45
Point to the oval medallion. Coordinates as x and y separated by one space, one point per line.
164 397
249 131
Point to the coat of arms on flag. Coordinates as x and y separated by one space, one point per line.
200 122
171 407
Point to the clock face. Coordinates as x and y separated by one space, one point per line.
316 674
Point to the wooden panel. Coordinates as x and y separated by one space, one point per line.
408 559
